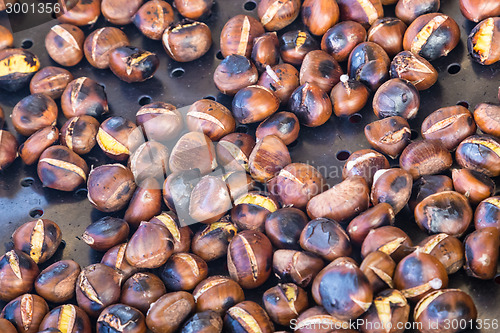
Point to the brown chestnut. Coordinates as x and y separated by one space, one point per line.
181 235
34 112
275 14
392 186
39 239
265 51
8 149
427 185
141 290
379 268
57 282
64 44
17 274
482 42
268 157
115 258
319 16
488 213
281 79
320 68
211 118
105 233
80 134
235 72
6 326
364 12
408 11
26 312
203 322
388 32
159 121
396 97
285 302
284 226
121 318
476 186
389 313
132 64
79 12
447 249
254 104
31 149
311 105
194 9
50 81
389 135
348 96
388 239
294 45
211 242
99 44
187 41
296 266
149 160
414 68
233 151
119 12
217 293
17 67
145 203
379 215
247 314
193 150
284 125
487 118
209 200
364 163
482 250
473 12
238 34
425 157
118 137
342 38
183 271
84 96
153 18
168 313
480 153
369 64
66 318
6 37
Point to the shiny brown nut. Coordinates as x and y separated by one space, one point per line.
31 149
444 306
389 313
79 12
233 151
238 34
149 160
342 289
50 81
487 118
421 36
110 187
181 234
69 318
317 320
39 239
7 327
64 44
265 51
275 15
177 192
168 313
294 45
449 126
281 79
26 312
115 257
235 72
254 104
473 12
17 67
187 41
341 202
141 290
247 314
217 293
284 125
389 135
209 200
57 282
364 163
62 169
145 203
378 216
427 185
17 274
97 287
132 64
342 38
412 67
396 97
483 40
487 213
193 150
6 38
84 96
211 242
296 184
105 233
425 157
319 16
476 186
379 268
251 210
325 238
34 112
284 226
388 239
408 11
203 322
194 9
321 69
183 271
211 118
311 105
447 249
118 137
121 318
388 32
482 253
284 302
80 134
100 43
296 266
348 96
480 153
119 12
369 64
392 186
364 12
153 18
159 121
150 246
268 157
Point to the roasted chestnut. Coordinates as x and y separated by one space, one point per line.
183 271
414 68
210 200
284 125
482 42
17 274
317 320
238 34
26 312
319 16
8 149
369 63
119 12
6 37
389 313
233 151
211 118
275 15
153 18
476 186
284 302
281 79
427 185
121 318
284 226
105 233
17 67
247 314
34 112
145 203
342 38
296 266
239 183
50 81
268 157
39 239
84 96
115 257
482 249
472 11
57 282
149 160
487 118
194 9
379 268
425 157
379 215
168 313
311 105
396 97
487 213
118 137
132 64
193 150
388 239
141 290
66 318
392 186
365 12
447 249
389 135
388 32
181 234
159 121
408 11
203 322
79 12
217 293
364 163
254 104
235 72
265 51
294 45
321 69
80 134
187 41
31 149
64 44
211 242
348 96
480 153
325 238
100 43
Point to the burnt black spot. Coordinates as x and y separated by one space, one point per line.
48 275
238 143
228 302
399 184
59 41
25 262
35 105
306 12
50 230
326 68
141 285
236 64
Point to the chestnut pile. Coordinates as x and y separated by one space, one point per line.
260 211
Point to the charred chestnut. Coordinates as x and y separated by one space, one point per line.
389 135
396 97
211 118
317 320
369 64
296 266
325 238
66 317
281 79
50 81
64 44
447 249
26 312
187 41
284 302
57 282
168 313
177 192
284 125
392 186
254 104
153 18
217 293
311 105
319 68
101 42
414 68
268 157
482 42
118 137
132 64
106 233
379 268
482 253
408 11
238 34
121 318
211 242
233 151
210 200
476 186
141 290
39 239
115 257
17 274
480 153
294 45
366 12
247 314
379 215
487 213
17 67
84 96
427 185
348 96
388 32
284 226
183 271
425 158
364 163
194 9
8 149
159 121
235 72
31 149
34 112
203 322
388 239
265 51
390 310
342 38
80 134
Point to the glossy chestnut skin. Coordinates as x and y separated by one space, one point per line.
168 313
233 151
6 326
64 44
149 160
299 267
50 81
447 249
32 113
211 118
105 233
115 258
379 215
389 135
342 38
80 134
311 105
187 41
235 72
487 213
217 293
379 268
388 239
31 149
275 15
26 312
268 157
388 32
145 203
348 96
284 226
8 149
265 51
159 121
110 187
66 317
476 186
483 40
6 38
427 185
321 69
294 45
238 34
473 12
369 63
425 157
363 13
132 64
284 125
342 289
396 97
57 282
482 253
203 322
210 200
121 318
119 12
39 239
414 68
254 104
18 67
389 308
281 79
246 314
17 274
84 96
141 290
364 163
100 43
319 16
183 271
284 302
118 137
421 37
480 153
79 13
211 242
181 234
325 238
487 119
153 18
408 11
194 9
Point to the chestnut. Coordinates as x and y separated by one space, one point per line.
168 313
105 233
268 157
379 215
421 36
121 318
211 242
247 314
482 253
319 16
392 186
80 134
233 151
153 18
265 51
476 186
389 135
281 79
238 34
325 238
99 44
487 118
119 12
427 185
17 67
194 9
447 249
425 157
317 320
7 327
50 81
118 137
285 302
294 45
177 192
132 64
414 68
235 72
211 118
210 200
145 203
284 125
365 13
183 271
34 112
57 282
79 12
17 274
482 42
181 234
348 96
8 149
115 258
217 293
342 289
33 147
396 97
369 64
254 104
389 240
203 322
239 183
408 11
379 268
389 313
487 213
66 318
6 37
141 290
84 96
159 121
64 44
342 38
275 15
284 226
364 163
388 32
149 161
26 312
320 68
187 41
341 202
472 11
311 105
480 153
296 266
193 150
39 239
